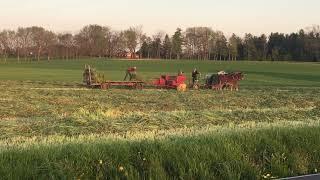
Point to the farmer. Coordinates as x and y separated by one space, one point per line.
131 72
195 76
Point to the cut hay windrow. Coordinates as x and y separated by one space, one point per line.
25 142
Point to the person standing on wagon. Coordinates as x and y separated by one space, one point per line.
131 72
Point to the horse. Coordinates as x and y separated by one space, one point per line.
230 80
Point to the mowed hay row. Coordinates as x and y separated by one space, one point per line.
42 112
109 122
45 100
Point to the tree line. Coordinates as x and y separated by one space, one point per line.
202 43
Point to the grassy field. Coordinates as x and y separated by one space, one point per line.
279 74
52 128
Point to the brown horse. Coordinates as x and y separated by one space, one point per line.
231 80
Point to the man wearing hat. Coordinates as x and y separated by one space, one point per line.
131 72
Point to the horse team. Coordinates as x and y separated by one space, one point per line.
224 81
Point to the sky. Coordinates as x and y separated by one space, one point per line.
229 16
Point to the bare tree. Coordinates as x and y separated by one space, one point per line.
66 42
93 40
213 46
313 42
117 44
233 44
7 43
221 43
204 34
50 40
132 38
38 38
197 42
4 44
190 42
19 44
24 36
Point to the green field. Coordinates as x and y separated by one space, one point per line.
53 128
279 74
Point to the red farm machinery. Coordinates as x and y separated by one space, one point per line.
171 82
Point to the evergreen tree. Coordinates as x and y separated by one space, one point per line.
177 41
167 47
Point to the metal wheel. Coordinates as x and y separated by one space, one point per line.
196 86
139 86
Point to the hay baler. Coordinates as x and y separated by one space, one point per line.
171 82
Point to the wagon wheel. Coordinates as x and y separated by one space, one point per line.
196 86
108 85
105 86
139 86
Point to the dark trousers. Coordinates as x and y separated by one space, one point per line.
131 76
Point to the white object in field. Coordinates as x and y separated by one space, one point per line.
222 73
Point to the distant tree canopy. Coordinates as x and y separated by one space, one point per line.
201 43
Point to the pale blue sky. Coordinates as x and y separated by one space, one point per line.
238 16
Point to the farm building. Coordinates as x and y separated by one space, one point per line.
130 55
